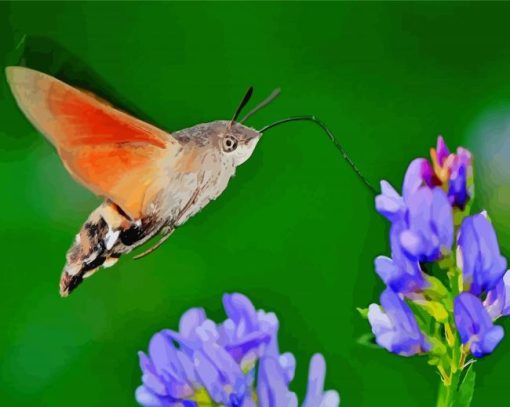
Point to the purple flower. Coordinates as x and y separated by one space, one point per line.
246 332
209 363
460 172
390 204
450 172
315 394
419 173
497 302
399 273
475 325
453 171
442 151
273 385
422 215
429 228
441 158
393 206
190 366
395 327
478 255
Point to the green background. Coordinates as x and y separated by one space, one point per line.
295 230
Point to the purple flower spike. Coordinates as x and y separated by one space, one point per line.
395 327
399 273
180 366
478 255
497 302
430 225
475 325
205 363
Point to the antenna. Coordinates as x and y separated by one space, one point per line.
331 136
243 103
274 94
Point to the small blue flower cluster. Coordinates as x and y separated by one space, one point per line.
446 274
233 364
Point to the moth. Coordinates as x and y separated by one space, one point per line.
152 181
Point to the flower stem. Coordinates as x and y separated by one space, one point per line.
448 391
455 361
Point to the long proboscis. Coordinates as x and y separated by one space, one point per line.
331 136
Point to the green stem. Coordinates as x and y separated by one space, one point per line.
450 379
448 392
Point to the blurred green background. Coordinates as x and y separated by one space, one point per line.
295 230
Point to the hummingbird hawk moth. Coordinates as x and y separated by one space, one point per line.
152 181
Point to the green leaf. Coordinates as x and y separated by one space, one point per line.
427 310
446 262
458 216
363 312
424 319
438 348
368 340
436 289
435 309
466 389
434 361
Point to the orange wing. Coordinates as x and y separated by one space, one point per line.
112 153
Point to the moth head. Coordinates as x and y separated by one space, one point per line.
237 142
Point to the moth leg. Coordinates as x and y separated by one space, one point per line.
169 229
167 232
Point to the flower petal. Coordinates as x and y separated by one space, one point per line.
190 320
315 395
482 264
288 364
240 310
413 178
442 218
475 325
148 399
272 388
395 327
497 302
442 151
400 273
429 229
461 169
389 203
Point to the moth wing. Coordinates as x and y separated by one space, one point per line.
110 152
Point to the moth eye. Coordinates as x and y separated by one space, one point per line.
229 144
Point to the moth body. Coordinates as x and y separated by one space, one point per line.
152 181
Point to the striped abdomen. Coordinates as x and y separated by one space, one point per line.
106 235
